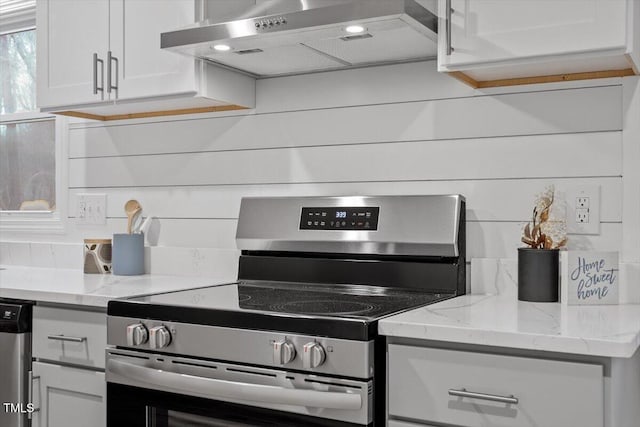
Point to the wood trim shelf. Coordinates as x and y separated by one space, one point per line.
147 114
540 79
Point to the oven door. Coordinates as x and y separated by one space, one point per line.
148 390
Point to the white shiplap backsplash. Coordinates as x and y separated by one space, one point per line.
402 129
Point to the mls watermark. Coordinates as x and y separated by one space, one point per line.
18 408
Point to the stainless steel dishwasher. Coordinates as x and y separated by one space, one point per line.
15 363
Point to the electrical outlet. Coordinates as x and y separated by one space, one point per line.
582 215
582 202
92 209
583 209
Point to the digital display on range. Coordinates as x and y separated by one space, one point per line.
340 218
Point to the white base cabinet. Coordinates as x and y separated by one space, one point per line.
67 336
474 389
68 386
425 379
469 389
68 397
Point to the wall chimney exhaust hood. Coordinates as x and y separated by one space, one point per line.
282 37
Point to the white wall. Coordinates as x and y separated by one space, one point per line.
402 129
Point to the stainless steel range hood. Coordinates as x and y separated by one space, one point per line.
281 37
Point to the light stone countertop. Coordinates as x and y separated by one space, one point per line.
493 320
503 321
62 286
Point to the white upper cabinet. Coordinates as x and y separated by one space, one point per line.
497 30
498 39
102 59
66 48
141 68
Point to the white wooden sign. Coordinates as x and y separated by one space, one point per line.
589 277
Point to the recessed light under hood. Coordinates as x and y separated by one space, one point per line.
281 37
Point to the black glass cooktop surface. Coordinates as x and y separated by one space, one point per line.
332 301
348 311
352 301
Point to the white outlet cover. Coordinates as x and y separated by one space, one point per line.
91 209
571 196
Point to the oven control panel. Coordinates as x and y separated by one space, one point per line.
363 218
312 354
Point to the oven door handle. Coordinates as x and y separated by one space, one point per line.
223 389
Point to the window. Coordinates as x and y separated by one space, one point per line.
18 56
30 152
27 166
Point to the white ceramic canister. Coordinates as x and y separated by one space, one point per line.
97 256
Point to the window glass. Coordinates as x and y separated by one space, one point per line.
30 156
18 72
27 166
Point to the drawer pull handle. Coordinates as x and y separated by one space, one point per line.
482 396
66 338
32 378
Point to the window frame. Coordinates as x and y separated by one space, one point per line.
20 16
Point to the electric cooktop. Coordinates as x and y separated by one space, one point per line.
349 311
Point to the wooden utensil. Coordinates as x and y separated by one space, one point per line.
131 208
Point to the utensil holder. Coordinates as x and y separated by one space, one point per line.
128 254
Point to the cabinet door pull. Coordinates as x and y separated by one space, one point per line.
448 11
66 338
31 378
110 85
97 88
482 396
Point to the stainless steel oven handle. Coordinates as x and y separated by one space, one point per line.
212 388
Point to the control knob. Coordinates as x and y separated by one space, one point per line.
313 355
283 352
137 334
159 337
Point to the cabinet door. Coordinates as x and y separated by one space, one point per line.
143 69
489 31
69 32
68 397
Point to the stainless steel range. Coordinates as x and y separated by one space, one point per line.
294 341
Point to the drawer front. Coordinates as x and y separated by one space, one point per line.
549 393
70 336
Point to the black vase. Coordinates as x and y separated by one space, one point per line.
538 274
